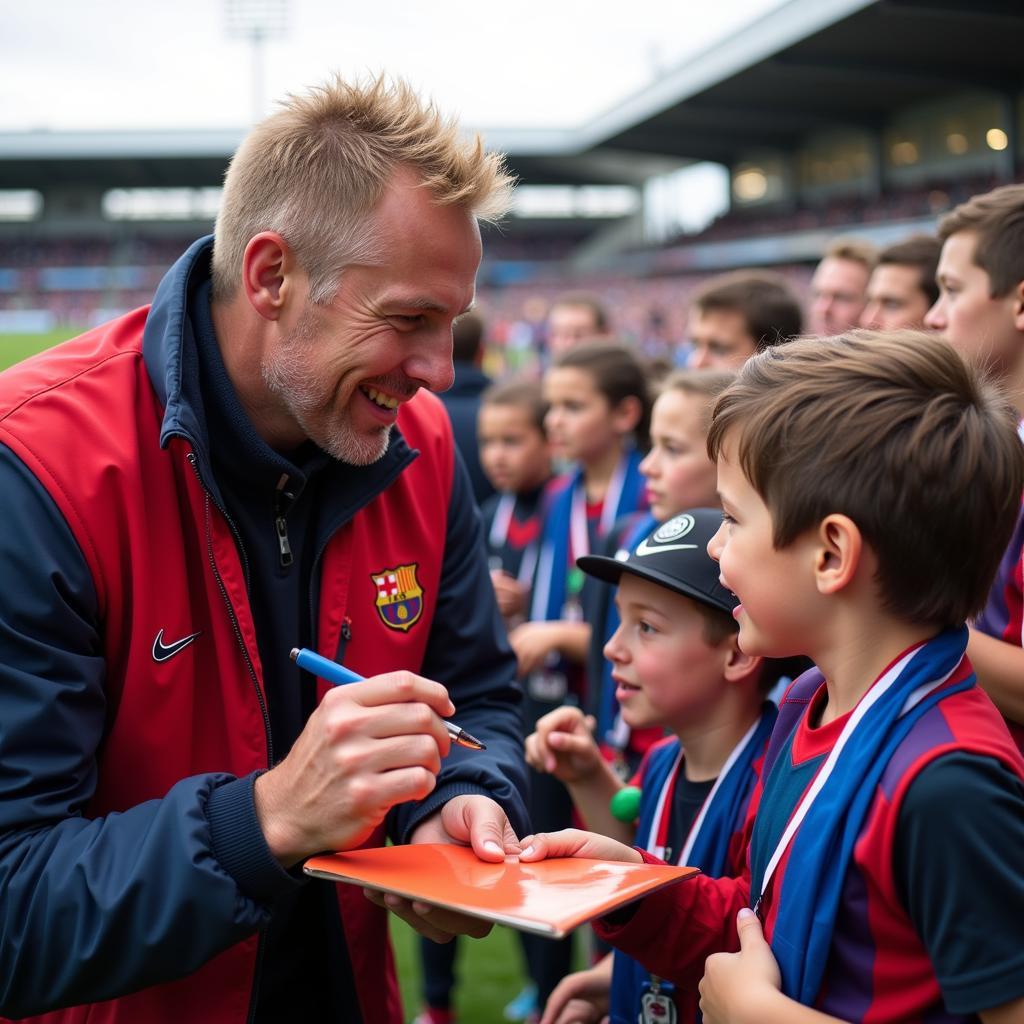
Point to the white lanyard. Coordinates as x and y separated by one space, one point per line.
737 752
502 521
867 702
579 536
499 535
661 809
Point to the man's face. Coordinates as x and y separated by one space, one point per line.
986 331
721 340
569 326
895 299
342 369
838 293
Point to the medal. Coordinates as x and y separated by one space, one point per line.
656 1006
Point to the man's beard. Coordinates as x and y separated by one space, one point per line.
286 375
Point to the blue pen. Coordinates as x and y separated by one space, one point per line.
338 675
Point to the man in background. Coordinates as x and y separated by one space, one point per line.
573 319
462 399
736 315
839 286
902 287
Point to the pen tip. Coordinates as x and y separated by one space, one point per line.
294 653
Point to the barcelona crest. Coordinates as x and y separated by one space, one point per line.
399 596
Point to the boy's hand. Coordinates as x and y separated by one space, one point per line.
574 842
737 987
563 745
532 642
581 998
510 593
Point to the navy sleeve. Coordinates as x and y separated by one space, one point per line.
957 861
468 652
91 907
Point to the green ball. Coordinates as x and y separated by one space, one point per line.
625 805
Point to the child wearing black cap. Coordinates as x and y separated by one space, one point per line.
676 664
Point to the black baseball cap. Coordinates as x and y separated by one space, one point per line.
674 555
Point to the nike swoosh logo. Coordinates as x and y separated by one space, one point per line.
162 651
652 549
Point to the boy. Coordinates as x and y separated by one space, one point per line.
676 665
980 312
516 458
836 461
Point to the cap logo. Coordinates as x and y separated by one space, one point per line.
673 530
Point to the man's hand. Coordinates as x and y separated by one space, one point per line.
574 842
367 747
581 998
739 987
563 745
510 593
475 821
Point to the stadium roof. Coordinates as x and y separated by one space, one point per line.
806 66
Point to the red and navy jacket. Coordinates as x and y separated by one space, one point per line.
897 923
134 873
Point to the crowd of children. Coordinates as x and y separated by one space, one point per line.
848 500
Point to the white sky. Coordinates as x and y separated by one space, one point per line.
80 64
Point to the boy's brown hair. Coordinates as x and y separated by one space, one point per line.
520 393
768 307
895 431
997 218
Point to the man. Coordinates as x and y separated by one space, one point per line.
191 491
839 286
462 399
572 320
980 311
902 287
735 315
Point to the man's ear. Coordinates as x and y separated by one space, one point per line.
626 414
739 665
838 554
268 272
1018 307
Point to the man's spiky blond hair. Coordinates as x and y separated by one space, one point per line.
314 171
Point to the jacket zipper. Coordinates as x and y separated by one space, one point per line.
284 548
260 945
346 635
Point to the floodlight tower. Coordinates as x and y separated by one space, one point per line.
256 21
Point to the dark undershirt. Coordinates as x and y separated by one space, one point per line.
687 801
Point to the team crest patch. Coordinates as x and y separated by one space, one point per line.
399 596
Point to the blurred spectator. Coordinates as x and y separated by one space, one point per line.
462 399
839 286
736 315
572 320
903 287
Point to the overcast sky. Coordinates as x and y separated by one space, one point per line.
69 64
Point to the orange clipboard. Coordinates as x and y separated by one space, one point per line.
548 897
